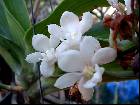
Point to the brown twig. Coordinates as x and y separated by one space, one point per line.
11 88
36 9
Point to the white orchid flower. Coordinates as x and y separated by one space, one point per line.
81 66
45 48
70 30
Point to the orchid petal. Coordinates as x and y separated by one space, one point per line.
40 42
71 61
86 93
54 41
56 31
86 22
61 48
97 77
69 21
34 57
104 55
88 47
89 84
99 69
46 69
67 80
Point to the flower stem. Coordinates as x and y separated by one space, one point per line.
51 5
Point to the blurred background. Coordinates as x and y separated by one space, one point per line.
115 92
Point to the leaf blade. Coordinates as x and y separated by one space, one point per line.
18 9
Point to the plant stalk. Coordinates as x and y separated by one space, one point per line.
11 88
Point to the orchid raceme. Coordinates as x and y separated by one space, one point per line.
82 66
65 51
45 48
70 30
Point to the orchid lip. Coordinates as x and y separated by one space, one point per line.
48 55
88 72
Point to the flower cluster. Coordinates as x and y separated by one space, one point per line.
78 55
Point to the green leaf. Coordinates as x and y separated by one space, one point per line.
99 31
12 48
16 30
125 45
14 65
114 69
18 9
76 6
114 72
14 56
10 28
4 27
47 85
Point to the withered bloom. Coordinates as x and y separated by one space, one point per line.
126 60
123 25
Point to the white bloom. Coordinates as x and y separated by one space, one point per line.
46 53
71 29
82 66
128 6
